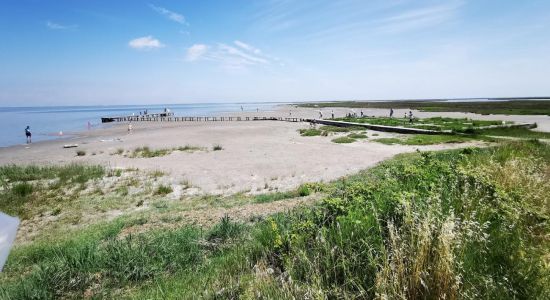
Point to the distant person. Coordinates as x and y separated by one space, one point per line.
361 113
89 125
242 108
332 113
391 112
130 128
410 116
257 110
320 114
405 115
28 134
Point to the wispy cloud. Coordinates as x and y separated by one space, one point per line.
229 56
57 26
145 43
247 47
419 18
196 52
174 16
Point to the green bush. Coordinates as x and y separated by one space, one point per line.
217 147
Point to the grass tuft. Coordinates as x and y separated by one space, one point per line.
343 140
163 190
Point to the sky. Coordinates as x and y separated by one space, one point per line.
74 52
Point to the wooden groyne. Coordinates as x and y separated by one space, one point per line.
162 117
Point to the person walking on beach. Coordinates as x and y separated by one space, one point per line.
361 113
130 128
410 116
28 134
332 112
391 112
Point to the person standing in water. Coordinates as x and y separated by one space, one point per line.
28 134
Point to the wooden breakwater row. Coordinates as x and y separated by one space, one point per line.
171 118
409 130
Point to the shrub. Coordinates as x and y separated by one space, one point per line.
80 152
217 147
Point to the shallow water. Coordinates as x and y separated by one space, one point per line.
46 123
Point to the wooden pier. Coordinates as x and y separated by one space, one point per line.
169 117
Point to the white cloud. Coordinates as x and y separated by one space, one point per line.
247 47
419 18
57 26
196 51
145 43
176 17
229 56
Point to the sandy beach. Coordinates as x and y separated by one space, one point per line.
255 154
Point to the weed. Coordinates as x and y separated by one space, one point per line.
217 147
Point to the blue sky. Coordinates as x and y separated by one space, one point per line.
136 52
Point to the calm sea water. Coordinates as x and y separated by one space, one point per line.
47 122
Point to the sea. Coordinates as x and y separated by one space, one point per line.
57 122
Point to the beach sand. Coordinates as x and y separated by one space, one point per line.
255 154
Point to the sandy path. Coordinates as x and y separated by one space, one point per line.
256 155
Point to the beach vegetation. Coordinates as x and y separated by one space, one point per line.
310 132
357 136
343 140
460 224
80 153
189 148
163 190
217 147
428 139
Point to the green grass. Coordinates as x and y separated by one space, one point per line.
435 123
461 224
309 132
512 107
28 189
301 191
343 140
163 190
146 152
428 139
190 148
357 136
520 132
